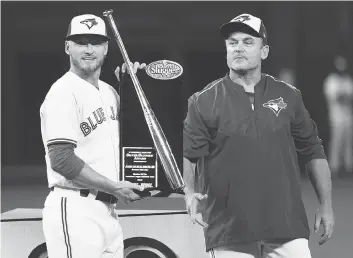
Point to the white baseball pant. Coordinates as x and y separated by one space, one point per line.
80 227
265 249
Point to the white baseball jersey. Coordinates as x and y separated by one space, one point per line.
339 91
74 111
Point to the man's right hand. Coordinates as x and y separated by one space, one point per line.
125 191
192 201
135 66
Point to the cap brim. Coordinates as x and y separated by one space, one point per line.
230 27
88 35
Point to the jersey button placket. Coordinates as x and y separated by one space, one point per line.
110 131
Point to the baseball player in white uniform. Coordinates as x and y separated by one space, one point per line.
338 90
80 131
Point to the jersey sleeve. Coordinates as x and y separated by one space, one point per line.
196 136
305 133
59 115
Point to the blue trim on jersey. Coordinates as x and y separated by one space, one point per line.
61 140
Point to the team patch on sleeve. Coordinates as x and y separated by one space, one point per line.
61 140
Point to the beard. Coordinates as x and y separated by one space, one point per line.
244 70
87 68
240 71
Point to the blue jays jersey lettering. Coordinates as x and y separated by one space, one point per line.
98 117
238 146
88 118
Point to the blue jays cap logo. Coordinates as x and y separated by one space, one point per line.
89 22
276 105
242 18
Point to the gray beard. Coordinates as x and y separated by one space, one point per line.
241 72
88 70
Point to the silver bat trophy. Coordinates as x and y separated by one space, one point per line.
163 149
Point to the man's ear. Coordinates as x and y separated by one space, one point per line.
106 49
67 47
264 52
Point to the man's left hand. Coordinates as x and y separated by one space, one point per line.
324 216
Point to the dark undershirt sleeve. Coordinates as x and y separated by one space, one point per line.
64 161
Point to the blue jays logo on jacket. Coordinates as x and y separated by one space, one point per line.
89 22
276 105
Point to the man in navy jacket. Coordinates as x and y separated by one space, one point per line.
242 135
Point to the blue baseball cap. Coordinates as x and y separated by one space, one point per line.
246 23
87 24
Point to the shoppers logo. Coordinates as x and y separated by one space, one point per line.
164 70
276 105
